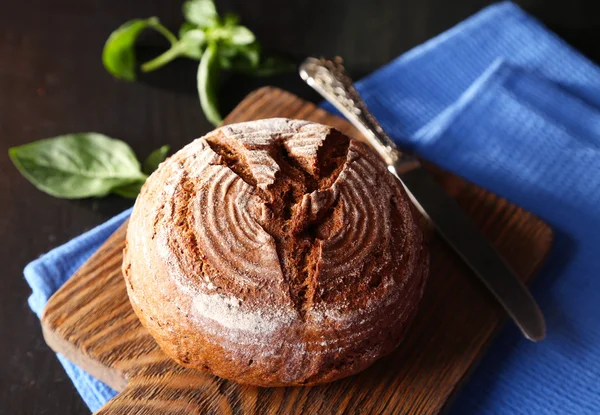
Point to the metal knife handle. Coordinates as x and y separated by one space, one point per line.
330 79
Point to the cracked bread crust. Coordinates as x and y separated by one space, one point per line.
275 252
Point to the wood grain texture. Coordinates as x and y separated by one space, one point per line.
90 320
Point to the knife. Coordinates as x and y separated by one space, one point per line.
329 78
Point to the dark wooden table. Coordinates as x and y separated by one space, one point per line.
52 82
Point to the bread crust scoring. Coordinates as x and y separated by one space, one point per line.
275 252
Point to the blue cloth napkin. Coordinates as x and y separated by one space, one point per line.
508 105
48 273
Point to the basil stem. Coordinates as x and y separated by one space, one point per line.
162 59
208 78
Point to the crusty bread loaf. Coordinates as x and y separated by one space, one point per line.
275 252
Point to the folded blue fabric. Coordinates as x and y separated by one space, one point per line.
508 105
48 273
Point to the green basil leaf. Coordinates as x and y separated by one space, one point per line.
237 36
118 55
155 158
226 52
208 79
129 191
186 27
238 57
202 13
216 34
241 35
77 165
192 43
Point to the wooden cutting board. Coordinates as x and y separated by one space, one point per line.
90 321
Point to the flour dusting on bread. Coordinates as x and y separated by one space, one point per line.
275 252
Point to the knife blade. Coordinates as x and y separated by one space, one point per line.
329 78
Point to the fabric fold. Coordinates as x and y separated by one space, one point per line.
536 143
525 138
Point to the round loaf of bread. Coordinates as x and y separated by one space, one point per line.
275 252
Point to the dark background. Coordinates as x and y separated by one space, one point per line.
52 82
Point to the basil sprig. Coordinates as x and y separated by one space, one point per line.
93 165
217 43
84 165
